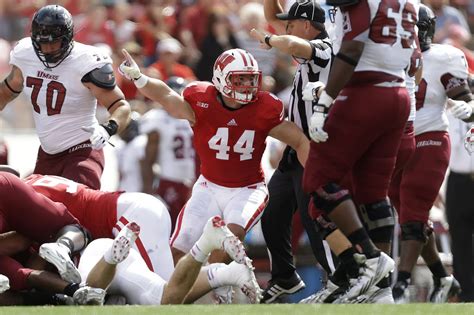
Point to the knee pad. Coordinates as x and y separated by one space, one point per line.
378 219
329 196
75 237
416 231
324 226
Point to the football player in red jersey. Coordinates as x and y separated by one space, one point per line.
231 119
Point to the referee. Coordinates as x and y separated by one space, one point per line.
307 42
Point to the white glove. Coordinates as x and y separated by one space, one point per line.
99 136
469 140
317 120
310 91
460 109
129 68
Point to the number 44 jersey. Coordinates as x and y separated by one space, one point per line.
61 103
230 142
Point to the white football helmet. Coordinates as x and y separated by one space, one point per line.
236 75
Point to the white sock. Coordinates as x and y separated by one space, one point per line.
198 253
217 275
108 256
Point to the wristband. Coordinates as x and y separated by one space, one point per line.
111 127
141 81
267 40
325 99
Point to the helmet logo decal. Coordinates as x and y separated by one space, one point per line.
223 61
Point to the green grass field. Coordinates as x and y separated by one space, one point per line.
277 309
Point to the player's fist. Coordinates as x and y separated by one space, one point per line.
99 136
460 109
313 90
129 68
316 124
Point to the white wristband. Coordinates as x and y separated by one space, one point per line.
325 99
141 81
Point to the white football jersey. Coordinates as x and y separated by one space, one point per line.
176 151
444 67
61 103
388 30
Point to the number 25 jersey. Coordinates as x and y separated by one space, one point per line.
230 142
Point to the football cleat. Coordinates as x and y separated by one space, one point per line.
444 288
123 242
4 283
216 235
375 295
371 272
322 295
278 287
89 296
242 276
58 255
224 294
400 292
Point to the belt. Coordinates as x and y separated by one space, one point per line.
391 84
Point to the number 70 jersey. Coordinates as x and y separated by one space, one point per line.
230 142
61 103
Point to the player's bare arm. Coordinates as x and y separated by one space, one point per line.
11 86
289 133
157 90
288 44
146 165
271 8
343 68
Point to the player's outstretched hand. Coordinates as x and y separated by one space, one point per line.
129 68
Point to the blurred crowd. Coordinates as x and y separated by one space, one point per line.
183 37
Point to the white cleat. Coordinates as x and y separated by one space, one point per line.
216 235
444 288
375 295
124 241
89 296
242 275
4 283
371 272
322 295
223 295
58 255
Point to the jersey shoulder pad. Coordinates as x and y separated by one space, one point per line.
198 90
87 58
272 108
23 50
102 77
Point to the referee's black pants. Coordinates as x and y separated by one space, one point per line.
460 213
287 196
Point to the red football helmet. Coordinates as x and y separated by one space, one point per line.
236 75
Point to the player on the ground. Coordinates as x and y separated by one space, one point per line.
64 80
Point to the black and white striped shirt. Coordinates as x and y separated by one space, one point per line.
309 70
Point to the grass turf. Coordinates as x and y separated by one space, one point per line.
276 309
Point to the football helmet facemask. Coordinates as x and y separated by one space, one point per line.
426 26
50 24
236 76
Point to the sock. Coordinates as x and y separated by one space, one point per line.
361 238
108 256
216 275
198 254
348 262
71 288
404 276
438 270
66 242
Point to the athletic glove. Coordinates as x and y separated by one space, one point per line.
316 123
100 134
312 90
460 109
130 70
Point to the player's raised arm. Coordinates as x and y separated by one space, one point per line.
156 90
10 87
287 132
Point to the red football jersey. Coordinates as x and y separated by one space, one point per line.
230 142
96 210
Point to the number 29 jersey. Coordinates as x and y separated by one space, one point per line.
61 103
230 142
